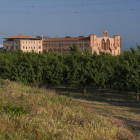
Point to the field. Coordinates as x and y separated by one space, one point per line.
62 113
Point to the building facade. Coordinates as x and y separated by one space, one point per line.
91 43
23 42
39 44
60 44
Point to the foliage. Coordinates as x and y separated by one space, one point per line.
76 67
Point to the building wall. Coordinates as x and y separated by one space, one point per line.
29 45
11 45
114 44
24 45
58 46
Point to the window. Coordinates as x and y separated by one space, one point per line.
12 47
23 41
29 42
16 42
23 47
39 41
34 41
113 44
31 47
34 47
16 47
86 45
39 47
26 47
26 41
48 45
108 44
39 52
103 44
99 44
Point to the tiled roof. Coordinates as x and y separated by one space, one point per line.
20 36
66 39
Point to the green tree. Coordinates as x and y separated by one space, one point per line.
52 69
129 71
104 70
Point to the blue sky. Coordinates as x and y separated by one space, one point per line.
58 17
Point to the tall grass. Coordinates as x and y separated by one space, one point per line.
29 114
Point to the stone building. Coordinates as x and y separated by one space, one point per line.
91 43
23 42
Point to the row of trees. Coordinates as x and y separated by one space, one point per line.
49 68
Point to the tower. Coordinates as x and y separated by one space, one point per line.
105 33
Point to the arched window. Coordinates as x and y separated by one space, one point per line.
108 44
103 44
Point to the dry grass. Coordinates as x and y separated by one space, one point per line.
26 111
120 108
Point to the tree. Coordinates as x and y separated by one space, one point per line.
71 66
129 71
85 71
103 70
52 69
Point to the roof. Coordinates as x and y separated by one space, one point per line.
20 36
67 39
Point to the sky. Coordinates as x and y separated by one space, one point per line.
72 18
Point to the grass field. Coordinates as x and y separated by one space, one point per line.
39 114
